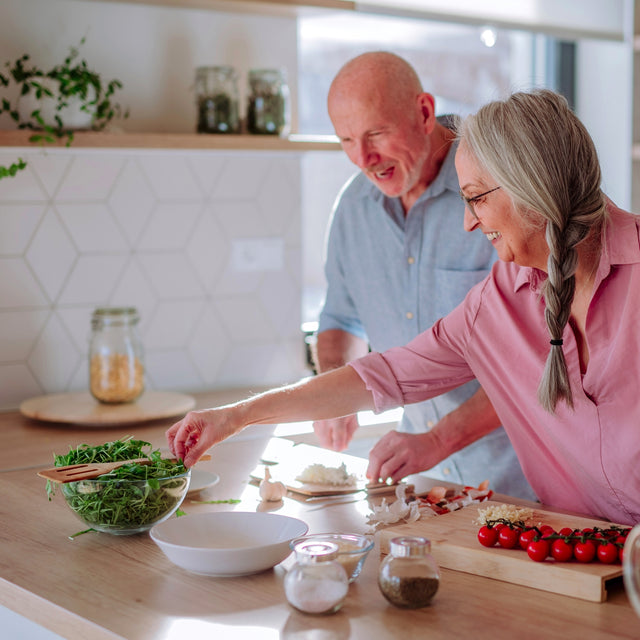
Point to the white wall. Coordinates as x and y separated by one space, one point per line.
160 230
154 51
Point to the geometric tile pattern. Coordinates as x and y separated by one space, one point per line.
85 228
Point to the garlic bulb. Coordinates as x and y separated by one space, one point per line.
271 491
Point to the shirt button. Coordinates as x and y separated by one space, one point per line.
446 471
409 315
411 259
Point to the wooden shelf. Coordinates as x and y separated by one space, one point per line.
103 140
276 7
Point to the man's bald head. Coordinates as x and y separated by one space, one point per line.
376 76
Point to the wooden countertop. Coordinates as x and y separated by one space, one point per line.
101 586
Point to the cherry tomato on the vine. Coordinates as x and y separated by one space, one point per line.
565 531
526 537
584 551
508 537
487 536
561 550
607 553
538 550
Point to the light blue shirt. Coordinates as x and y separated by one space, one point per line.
391 276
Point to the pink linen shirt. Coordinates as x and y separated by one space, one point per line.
585 460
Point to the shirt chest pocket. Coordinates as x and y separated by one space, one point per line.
447 288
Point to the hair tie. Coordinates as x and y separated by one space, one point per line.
556 343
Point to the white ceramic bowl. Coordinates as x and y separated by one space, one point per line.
227 543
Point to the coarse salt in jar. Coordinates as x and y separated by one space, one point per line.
316 583
116 370
409 576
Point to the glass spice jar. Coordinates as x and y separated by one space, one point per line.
316 583
268 109
217 100
409 576
116 370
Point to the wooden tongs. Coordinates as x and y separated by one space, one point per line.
73 472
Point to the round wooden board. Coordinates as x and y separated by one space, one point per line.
82 408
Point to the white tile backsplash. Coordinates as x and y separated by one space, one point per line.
50 255
152 229
18 223
92 227
18 287
90 178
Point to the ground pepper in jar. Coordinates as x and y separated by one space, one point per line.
268 102
217 100
409 576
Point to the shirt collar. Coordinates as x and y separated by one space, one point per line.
620 247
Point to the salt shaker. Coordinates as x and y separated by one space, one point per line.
116 370
409 576
316 583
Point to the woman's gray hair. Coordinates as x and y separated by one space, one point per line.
542 156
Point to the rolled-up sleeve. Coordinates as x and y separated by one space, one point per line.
431 364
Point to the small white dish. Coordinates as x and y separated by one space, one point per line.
201 480
228 543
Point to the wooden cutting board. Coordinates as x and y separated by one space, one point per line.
454 545
285 466
81 408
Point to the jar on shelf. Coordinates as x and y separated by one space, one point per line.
409 576
268 108
116 369
316 583
217 100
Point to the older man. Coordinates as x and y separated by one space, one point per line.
398 259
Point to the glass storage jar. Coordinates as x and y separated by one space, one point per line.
409 576
316 583
116 370
268 109
217 100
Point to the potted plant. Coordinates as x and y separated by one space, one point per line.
54 103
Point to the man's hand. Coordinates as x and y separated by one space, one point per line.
336 434
397 455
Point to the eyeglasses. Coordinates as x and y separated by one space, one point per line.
471 201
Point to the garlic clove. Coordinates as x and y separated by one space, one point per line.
271 491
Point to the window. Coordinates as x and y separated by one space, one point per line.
463 66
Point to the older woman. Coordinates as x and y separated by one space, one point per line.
552 334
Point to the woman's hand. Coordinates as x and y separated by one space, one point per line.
198 431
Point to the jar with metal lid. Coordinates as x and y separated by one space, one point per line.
268 108
316 583
217 100
409 576
116 370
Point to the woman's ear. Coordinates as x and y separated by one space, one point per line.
427 106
